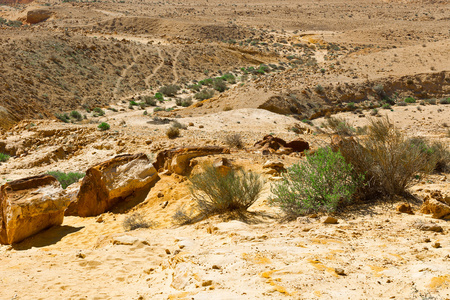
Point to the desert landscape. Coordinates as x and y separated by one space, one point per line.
120 122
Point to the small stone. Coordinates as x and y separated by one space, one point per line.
426 240
160 195
148 142
339 271
329 220
99 219
436 245
81 255
201 126
405 208
164 204
216 267
191 124
207 283
167 251
176 251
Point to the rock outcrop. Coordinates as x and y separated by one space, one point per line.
437 205
277 145
38 15
177 160
108 183
30 205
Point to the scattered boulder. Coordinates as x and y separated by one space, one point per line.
279 146
108 183
30 205
437 205
38 15
405 208
177 160
429 227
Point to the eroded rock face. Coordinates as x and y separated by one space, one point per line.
108 183
437 205
38 15
276 145
177 160
30 205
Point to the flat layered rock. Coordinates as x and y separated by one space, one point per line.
30 205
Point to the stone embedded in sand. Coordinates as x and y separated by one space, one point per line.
30 205
109 182
177 160
298 145
437 205
329 220
128 240
405 208
38 15
429 227
280 146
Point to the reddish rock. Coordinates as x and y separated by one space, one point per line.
177 160
110 182
405 208
298 145
280 146
38 15
30 205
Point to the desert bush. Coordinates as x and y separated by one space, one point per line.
319 89
66 179
215 192
149 100
182 216
445 101
204 94
387 159
178 125
195 87
437 153
159 97
402 103
173 132
320 183
234 140
339 126
103 126
156 109
386 106
169 90
4 157
410 100
98 111
135 221
230 78
63 117
219 85
184 102
76 115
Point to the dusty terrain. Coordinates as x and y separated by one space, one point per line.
315 58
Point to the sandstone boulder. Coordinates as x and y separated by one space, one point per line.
177 160
38 15
30 205
108 183
437 205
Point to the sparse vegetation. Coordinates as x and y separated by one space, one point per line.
66 179
173 132
169 90
204 94
234 141
410 100
76 115
103 126
4 157
339 126
98 112
135 221
63 117
215 192
320 183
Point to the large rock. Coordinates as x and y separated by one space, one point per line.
38 15
177 160
108 183
30 205
437 205
277 145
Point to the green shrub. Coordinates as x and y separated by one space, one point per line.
66 179
339 126
204 94
386 106
195 87
184 102
230 78
76 115
319 89
410 100
133 103
234 140
103 126
445 101
63 117
178 125
4 157
351 105
215 192
135 221
159 97
98 111
320 183
169 90
150 100
437 153
156 109
219 85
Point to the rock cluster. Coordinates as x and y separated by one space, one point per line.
437 205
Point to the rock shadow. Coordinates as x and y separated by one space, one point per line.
46 237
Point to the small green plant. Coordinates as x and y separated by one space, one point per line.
219 85
339 126
150 101
98 111
386 106
173 132
410 100
76 115
216 192
159 97
204 94
445 101
66 179
133 103
103 126
320 183
4 157
351 105
156 109
135 221
63 117
319 89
